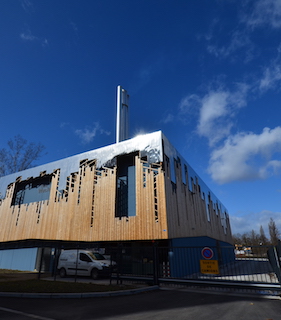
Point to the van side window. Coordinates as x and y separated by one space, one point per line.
84 257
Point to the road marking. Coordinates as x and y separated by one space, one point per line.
34 316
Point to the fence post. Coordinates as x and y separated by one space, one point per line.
119 263
278 257
273 258
76 266
155 264
41 262
278 247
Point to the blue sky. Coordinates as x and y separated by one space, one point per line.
206 73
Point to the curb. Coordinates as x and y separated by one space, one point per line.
77 295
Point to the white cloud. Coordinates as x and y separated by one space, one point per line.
247 156
214 107
216 112
271 74
253 221
264 12
89 133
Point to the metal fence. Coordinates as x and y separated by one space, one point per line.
255 267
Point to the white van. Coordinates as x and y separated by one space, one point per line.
84 263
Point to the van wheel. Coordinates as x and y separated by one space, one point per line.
62 272
94 274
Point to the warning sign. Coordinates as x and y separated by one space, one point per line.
209 266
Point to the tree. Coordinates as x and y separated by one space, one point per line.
273 232
254 238
19 155
263 239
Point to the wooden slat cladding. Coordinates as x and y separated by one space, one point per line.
187 214
85 209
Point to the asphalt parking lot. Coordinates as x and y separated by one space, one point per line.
159 304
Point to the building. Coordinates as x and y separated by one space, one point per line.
138 190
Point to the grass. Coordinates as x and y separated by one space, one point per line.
42 286
26 282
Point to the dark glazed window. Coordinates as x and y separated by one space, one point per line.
84 257
126 186
32 190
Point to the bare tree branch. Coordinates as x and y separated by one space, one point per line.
19 155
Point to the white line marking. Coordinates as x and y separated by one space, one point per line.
34 316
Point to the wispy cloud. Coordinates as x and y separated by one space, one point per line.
253 15
253 221
27 5
238 45
64 124
190 104
271 73
88 134
264 12
74 27
145 75
149 69
239 39
168 118
28 36
247 156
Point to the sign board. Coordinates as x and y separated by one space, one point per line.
209 266
207 253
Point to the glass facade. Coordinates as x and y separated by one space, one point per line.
32 190
126 186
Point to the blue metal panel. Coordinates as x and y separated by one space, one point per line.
18 259
185 254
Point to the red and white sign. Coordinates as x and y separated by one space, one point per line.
207 253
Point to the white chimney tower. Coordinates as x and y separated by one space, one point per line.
122 121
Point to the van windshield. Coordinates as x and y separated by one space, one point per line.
97 256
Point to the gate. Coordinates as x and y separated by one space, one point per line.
255 268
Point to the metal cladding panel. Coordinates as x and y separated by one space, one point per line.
193 178
149 145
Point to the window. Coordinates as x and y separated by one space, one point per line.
126 186
84 257
32 190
